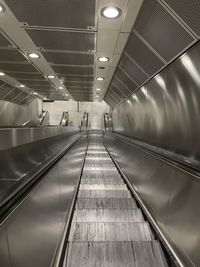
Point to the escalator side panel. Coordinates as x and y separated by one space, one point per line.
35 227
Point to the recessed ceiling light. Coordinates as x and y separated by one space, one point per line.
2 8
111 12
60 87
22 86
51 76
98 89
33 55
97 95
103 59
66 94
100 79
2 74
35 93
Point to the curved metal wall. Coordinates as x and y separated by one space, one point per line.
165 111
170 194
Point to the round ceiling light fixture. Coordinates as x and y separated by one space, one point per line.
34 55
103 59
51 76
2 8
98 89
2 73
35 93
111 12
100 79
60 88
22 86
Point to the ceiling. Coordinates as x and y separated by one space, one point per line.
162 31
69 36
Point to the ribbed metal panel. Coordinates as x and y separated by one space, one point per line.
142 55
160 30
188 11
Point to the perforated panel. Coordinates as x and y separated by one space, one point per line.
126 80
69 59
3 41
132 70
189 11
62 40
11 55
73 70
142 55
27 76
117 83
4 90
60 13
16 67
161 30
13 94
73 78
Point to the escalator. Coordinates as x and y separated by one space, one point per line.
108 228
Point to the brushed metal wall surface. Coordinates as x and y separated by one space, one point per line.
33 230
169 193
165 111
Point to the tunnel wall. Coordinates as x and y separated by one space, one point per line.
165 111
13 114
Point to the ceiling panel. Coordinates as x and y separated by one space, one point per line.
73 70
35 82
17 67
11 55
5 89
189 11
75 78
69 59
126 80
117 83
132 70
27 76
1 83
13 94
4 41
59 13
20 98
79 84
161 30
62 40
142 55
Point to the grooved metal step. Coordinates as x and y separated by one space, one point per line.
104 194
115 254
100 174
108 215
106 181
106 203
103 187
84 232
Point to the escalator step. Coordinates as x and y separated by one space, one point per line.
102 181
104 194
106 203
84 232
106 187
115 254
108 215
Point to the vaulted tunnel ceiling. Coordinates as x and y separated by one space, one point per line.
163 30
70 35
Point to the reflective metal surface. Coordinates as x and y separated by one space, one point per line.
21 164
108 229
33 230
170 194
165 112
